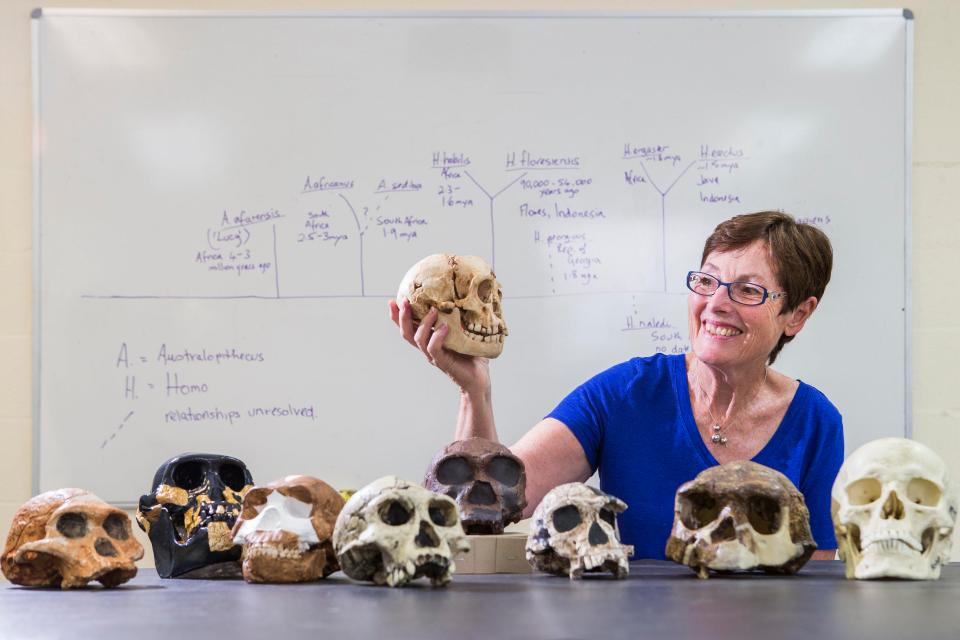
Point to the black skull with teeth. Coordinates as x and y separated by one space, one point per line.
194 501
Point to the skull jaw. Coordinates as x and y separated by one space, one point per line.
280 564
194 557
370 562
481 521
458 340
612 559
895 564
893 557
773 553
62 565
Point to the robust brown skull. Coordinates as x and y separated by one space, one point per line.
67 538
485 479
286 529
467 295
740 516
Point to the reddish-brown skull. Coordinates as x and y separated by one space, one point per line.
67 538
286 529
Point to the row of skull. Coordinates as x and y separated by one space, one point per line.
893 506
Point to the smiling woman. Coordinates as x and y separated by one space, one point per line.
652 423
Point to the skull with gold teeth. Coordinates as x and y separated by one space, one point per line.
193 504
467 296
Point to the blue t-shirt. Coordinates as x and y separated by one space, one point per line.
635 424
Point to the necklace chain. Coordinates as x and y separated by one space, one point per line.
718 437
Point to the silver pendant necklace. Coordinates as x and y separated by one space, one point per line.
717 437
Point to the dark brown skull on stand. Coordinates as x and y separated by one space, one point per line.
740 516
485 479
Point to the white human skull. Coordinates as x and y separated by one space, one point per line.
393 531
286 530
740 516
467 296
894 508
67 538
574 532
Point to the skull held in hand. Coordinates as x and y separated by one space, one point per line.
574 531
67 538
392 531
740 516
485 479
194 502
894 508
467 296
286 529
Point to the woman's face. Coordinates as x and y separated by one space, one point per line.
724 333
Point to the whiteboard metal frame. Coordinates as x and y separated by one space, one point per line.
40 13
199 13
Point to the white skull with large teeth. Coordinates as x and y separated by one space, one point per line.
574 532
894 508
393 531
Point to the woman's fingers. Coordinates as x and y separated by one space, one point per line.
405 320
426 336
421 337
394 312
435 345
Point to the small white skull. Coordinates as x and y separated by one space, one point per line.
574 531
286 530
894 508
67 538
740 516
467 296
393 531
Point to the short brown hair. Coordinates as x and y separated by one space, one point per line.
800 254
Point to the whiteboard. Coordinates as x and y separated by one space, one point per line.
226 202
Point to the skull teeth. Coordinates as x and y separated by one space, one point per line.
272 551
218 512
481 333
899 544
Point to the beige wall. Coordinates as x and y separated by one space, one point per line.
936 225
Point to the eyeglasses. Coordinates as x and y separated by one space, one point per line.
747 293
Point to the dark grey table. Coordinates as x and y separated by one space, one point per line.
658 600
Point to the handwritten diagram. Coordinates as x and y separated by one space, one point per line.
551 222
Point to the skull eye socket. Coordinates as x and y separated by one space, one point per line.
864 491
923 492
763 513
296 507
395 513
443 513
454 470
566 518
698 509
116 526
485 291
504 470
608 516
189 475
233 476
72 525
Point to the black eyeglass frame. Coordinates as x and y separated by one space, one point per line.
767 295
